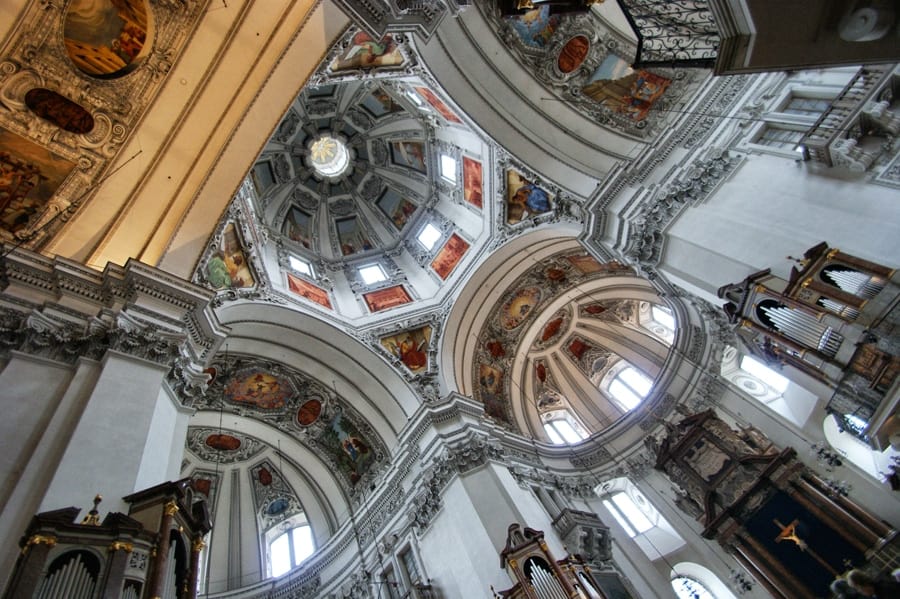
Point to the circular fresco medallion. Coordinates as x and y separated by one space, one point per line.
106 38
223 442
517 309
309 412
573 53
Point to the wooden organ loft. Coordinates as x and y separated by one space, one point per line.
836 319
539 575
153 552
777 518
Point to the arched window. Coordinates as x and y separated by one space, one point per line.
629 388
659 320
688 588
562 428
639 518
693 581
289 549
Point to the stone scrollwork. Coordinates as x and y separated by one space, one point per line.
458 459
693 184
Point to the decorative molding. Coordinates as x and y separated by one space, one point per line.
542 62
692 184
197 438
37 58
300 389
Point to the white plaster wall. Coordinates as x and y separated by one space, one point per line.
107 448
166 433
867 491
462 559
40 443
31 390
773 207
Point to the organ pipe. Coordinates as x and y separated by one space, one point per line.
72 581
804 329
855 282
839 308
545 584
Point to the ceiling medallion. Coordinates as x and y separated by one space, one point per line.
329 156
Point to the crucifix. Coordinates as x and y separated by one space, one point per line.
789 533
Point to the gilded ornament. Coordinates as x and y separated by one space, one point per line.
48 540
171 508
121 546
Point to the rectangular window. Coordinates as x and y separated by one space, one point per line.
429 236
810 107
779 137
391 588
410 567
371 274
448 168
300 265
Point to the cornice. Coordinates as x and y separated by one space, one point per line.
59 309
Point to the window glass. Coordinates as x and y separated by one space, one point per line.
688 588
429 236
806 106
562 428
300 265
627 398
303 543
567 431
623 522
371 274
636 518
280 555
408 560
448 168
778 137
290 549
554 436
664 317
638 382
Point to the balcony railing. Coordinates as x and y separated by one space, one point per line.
856 112
673 33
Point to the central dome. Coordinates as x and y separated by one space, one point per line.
329 156
373 197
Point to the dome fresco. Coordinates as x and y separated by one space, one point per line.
562 331
373 194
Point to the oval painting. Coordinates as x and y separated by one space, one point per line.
223 442
309 412
265 477
106 38
278 506
551 329
573 53
59 110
